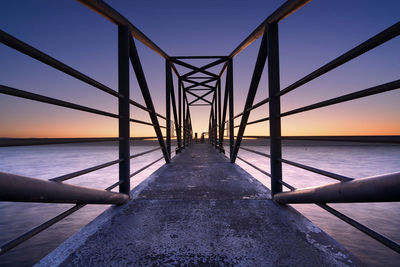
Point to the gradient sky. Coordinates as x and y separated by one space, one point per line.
314 35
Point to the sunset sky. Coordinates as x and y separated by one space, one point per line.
314 35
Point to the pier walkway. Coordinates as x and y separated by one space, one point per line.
200 209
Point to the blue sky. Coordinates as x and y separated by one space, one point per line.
314 35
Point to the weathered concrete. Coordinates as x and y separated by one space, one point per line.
200 210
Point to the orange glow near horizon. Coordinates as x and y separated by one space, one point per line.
298 125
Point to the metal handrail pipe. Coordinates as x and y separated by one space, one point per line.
85 171
136 104
319 171
256 136
49 141
115 17
143 138
378 237
114 185
364 47
258 121
344 98
393 139
145 167
256 152
286 9
286 184
259 104
383 188
25 189
144 122
38 229
254 166
282 12
53 101
143 153
31 233
28 50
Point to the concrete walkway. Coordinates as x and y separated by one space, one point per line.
200 210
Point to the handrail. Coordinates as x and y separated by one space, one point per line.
48 100
82 172
356 95
53 191
268 51
28 50
26 189
319 171
371 43
288 8
382 188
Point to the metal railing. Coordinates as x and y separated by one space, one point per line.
222 113
384 188
26 189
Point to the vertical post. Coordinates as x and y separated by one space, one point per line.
168 104
174 111
123 109
180 112
215 117
220 136
184 117
274 108
229 80
224 112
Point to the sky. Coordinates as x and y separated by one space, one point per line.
309 38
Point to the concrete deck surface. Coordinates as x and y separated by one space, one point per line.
200 210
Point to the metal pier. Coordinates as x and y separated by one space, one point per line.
200 210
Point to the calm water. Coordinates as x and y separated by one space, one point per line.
47 162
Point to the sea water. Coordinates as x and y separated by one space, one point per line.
49 161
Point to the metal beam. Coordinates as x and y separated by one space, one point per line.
196 69
115 17
220 136
207 66
255 80
383 188
137 67
274 108
175 111
180 85
282 12
123 109
203 83
229 81
197 57
168 81
199 97
286 9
